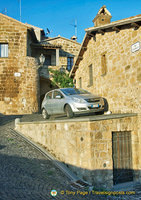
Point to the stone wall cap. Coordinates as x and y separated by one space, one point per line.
84 119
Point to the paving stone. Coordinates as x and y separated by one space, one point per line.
25 174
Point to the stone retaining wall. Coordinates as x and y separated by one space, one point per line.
85 146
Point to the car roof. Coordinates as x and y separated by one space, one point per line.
59 89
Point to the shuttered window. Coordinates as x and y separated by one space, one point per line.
90 75
80 82
69 63
3 50
103 64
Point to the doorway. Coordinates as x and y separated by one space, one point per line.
122 157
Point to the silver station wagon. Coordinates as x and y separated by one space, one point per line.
70 101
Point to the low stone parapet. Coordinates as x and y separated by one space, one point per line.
86 144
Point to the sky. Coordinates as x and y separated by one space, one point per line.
60 16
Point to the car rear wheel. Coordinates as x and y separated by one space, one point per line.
69 111
45 114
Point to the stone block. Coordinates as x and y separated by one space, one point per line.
80 149
98 136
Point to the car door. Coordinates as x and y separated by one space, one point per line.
48 103
58 102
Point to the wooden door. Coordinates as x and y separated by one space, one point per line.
122 157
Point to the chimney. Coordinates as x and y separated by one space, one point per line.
74 38
103 17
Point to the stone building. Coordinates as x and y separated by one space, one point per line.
68 52
111 57
59 53
24 77
18 73
109 65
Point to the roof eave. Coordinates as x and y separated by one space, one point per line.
45 46
93 30
58 37
117 23
79 53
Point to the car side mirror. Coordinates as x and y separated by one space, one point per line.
58 97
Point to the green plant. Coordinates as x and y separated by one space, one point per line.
50 172
10 139
61 79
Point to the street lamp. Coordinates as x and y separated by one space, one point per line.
42 59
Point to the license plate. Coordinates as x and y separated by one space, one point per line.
95 106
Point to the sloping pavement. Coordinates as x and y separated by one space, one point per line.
25 174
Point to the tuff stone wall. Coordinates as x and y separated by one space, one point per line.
18 93
85 146
121 85
69 48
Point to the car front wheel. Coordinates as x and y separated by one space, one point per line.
45 114
69 111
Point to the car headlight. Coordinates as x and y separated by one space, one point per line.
77 100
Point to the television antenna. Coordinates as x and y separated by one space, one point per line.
75 27
48 31
20 10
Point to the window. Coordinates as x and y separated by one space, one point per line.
56 93
80 82
103 64
47 60
73 91
3 50
69 63
90 75
49 95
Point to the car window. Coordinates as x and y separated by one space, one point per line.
57 93
73 91
49 95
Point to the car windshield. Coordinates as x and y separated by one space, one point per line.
73 91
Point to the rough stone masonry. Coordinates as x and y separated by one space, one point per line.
18 73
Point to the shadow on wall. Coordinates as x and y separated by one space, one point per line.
46 85
105 179
65 54
31 177
2 147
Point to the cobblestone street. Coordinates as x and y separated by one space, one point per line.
25 174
